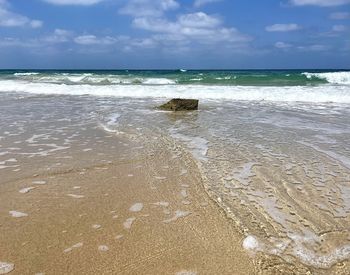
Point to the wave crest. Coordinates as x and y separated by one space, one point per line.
317 94
331 77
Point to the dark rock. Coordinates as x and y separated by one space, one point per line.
179 104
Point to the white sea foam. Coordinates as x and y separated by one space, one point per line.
25 74
186 272
6 267
103 248
75 196
26 190
91 79
113 119
324 93
128 223
17 214
178 214
321 260
331 77
39 182
111 123
137 207
184 193
158 81
250 243
69 249
161 203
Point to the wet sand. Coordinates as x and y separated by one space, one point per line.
95 185
143 213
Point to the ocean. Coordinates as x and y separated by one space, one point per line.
272 146
293 85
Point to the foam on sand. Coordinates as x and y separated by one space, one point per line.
250 243
69 249
186 272
96 226
103 248
128 223
17 214
75 196
161 203
137 207
184 193
178 214
26 190
39 182
6 267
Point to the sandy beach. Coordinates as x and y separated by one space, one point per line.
133 215
98 184
156 137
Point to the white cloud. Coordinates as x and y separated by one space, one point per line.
200 3
36 24
11 19
282 27
182 32
199 20
338 28
339 15
314 48
73 2
59 36
143 43
148 8
93 40
196 27
282 45
321 3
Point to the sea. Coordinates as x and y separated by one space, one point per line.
272 146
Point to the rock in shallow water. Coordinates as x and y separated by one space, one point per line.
178 104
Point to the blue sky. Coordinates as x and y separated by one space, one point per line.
151 34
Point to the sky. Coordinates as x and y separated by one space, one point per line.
172 34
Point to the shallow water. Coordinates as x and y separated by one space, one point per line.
281 171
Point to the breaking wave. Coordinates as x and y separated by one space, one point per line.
331 77
324 93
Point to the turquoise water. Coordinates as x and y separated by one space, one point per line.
276 86
161 77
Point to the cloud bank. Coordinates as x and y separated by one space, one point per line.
73 2
283 27
321 3
12 19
